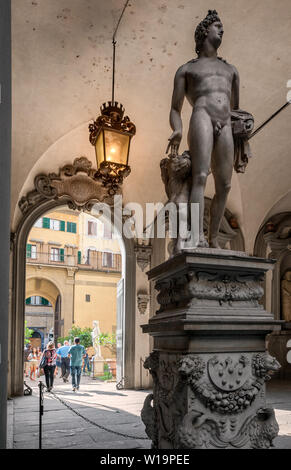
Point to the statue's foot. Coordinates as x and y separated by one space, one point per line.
203 243
213 243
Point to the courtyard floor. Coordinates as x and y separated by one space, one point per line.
102 403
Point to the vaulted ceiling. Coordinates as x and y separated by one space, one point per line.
62 52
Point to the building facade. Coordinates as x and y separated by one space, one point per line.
73 266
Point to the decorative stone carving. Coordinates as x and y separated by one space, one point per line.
286 296
142 302
203 401
221 287
199 431
231 384
201 398
143 255
76 183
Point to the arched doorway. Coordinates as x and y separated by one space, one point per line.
273 241
126 298
42 302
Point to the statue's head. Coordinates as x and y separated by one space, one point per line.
211 28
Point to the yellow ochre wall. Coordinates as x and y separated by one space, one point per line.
73 283
102 305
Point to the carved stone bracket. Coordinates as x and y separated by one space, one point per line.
143 255
76 183
142 302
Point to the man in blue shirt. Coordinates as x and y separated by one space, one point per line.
65 361
76 354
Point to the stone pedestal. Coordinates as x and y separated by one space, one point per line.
98 367
209 364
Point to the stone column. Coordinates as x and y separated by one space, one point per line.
209 364
5 139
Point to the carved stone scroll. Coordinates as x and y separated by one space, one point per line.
76 183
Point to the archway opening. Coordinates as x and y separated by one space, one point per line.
74 285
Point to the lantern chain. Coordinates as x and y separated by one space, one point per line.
114 48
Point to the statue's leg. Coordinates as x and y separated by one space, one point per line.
200 140
183 216
222 167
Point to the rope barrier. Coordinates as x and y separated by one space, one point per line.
95 424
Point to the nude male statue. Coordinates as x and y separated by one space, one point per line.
211 86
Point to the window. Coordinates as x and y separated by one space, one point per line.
107 260
54 224
38 223
71 227
37 300
57 254
79 257
88 298
31 251
92 228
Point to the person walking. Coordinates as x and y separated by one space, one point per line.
38 354
76 354
50 355
86 362
59 363
65 361
33 362
27 352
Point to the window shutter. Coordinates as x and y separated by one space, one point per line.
28 251
62 256
79 257
44 301
74 227
62 225
45 222
28 301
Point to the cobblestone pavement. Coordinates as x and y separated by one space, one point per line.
114 409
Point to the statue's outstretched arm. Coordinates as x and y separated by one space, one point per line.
176 108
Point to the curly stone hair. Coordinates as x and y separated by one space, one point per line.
202 29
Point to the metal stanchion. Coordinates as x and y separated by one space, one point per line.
41 387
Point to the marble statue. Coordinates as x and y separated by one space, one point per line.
95 334
218 129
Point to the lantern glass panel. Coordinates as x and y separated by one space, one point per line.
116 147
100 149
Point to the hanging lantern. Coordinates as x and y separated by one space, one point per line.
111 134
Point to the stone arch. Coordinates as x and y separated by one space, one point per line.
75 186
47 288
273 241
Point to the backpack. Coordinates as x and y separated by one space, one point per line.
42 362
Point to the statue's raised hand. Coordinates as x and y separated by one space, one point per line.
174 142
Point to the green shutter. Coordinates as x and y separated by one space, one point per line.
45 222
62 256
71 227
28 301
28 251
79 257
44 301
63 225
